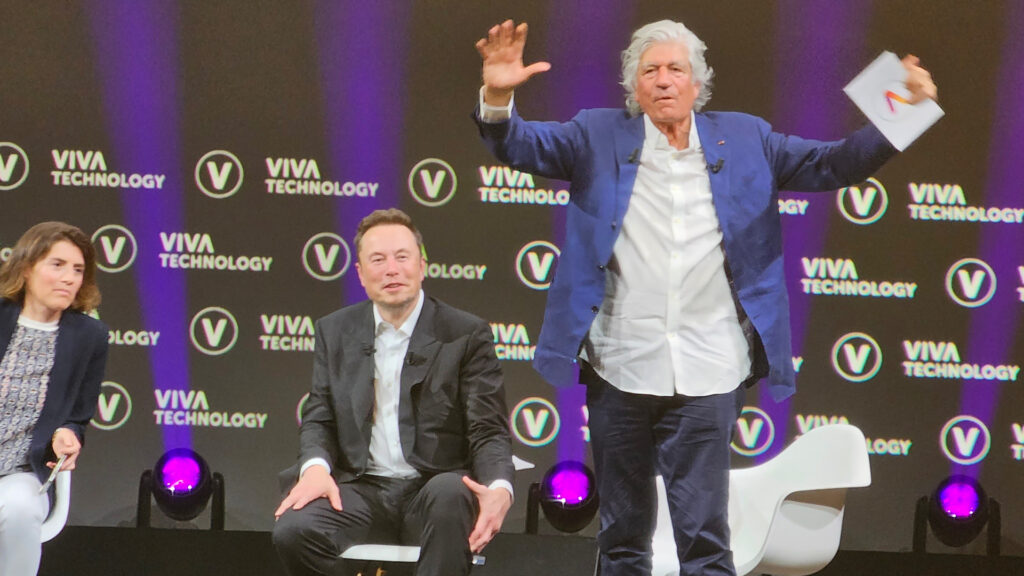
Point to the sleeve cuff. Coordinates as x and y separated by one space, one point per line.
495 114
504 484
314 462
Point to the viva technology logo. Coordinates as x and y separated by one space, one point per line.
755 431
864 203
536 264
213 331
115 248
856 357
13 166
965 440
432 182
326 256
538 418
219 174
971 282
113 408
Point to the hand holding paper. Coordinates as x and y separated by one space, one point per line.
897 96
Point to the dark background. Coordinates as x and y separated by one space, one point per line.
370 89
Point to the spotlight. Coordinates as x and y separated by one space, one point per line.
957 511
568 496
181 484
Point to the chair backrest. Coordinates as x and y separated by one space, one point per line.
58 516
785 515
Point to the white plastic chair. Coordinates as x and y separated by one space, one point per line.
54 523
786 515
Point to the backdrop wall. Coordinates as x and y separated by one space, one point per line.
222 153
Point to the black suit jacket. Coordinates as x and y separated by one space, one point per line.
452 413
78 365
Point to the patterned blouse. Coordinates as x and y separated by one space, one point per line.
24 375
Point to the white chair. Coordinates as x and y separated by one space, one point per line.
58 516
786 515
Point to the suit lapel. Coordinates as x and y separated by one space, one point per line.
716 152
629 143
423 347
361 337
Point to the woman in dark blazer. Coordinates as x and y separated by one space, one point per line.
52 357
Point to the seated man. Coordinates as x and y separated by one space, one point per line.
404 438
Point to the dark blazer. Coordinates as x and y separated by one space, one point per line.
748 164
78 365
451 408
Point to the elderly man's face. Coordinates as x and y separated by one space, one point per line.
665 88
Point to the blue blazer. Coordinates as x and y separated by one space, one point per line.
597 150
71 395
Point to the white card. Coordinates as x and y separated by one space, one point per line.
880 93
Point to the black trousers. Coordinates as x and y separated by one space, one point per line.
436 514
685 439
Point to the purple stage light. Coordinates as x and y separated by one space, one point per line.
568 496
960 497
959 509
569 485
182 484
180 474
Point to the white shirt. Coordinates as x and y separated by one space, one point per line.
390 345
668 323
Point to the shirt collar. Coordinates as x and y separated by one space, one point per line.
656 138
407 327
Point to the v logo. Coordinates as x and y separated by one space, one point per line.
214 334
862 200
856 359
219 177
432 184
750 431
540 266
970 284
326 256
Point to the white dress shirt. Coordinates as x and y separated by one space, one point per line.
668 323
390 345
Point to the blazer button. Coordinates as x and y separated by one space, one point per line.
594 309
600 267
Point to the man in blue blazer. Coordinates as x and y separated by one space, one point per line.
669 294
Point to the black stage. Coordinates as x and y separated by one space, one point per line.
90 551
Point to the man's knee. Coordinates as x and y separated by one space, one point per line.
291 531
447 498
447 489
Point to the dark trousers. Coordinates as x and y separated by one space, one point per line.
634 437
437 514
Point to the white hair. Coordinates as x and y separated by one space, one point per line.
656 33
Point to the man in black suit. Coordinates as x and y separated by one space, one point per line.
404 438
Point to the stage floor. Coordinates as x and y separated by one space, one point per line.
89 551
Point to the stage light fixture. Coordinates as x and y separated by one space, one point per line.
957 511
568 496
182 485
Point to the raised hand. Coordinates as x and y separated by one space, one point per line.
503 69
